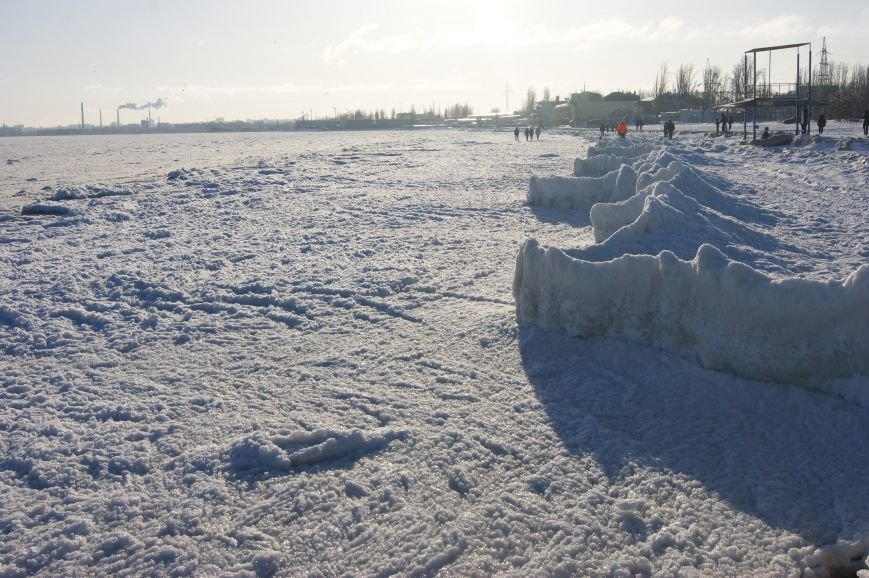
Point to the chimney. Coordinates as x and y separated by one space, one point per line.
101 118
149 118
82 116
119 117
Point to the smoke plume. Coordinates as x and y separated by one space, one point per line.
159 103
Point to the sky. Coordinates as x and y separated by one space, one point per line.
200 60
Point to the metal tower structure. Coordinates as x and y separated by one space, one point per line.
823 78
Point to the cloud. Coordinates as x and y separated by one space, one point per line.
423 85
361 87
785 27
583 37
668 28
206 90
100 88
360 41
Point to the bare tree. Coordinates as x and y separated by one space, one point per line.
763 89
724 94
711 81
530 100
662 80
546 93
685 82
839 74
740 80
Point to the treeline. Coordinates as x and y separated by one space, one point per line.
452 111
845 92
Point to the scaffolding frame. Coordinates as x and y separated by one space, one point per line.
803 103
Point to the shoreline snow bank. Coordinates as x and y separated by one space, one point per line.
577 192
726 314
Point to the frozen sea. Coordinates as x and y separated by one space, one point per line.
434 353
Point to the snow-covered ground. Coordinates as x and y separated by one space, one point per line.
300 354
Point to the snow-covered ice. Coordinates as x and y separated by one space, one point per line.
300 355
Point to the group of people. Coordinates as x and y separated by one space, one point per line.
724 124
530 133
621 128
822 122
669 128
607 128
614 126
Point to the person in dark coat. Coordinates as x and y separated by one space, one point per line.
866 123
723 123
537 132
765 134
822 122
716 124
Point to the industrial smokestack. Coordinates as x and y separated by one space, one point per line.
119 118
149 118
101 118
82 116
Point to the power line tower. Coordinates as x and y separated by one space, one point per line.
824 67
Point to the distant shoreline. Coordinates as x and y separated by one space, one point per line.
200 128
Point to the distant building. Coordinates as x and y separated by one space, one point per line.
592 109
684 115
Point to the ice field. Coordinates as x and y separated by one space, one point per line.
434 353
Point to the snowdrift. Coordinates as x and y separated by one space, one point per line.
674 266
604 163
726 314
577 192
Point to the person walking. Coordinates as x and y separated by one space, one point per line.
537 132
622 128
866 122
822 122
716 124
516 133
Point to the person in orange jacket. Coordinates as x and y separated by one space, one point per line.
622 128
